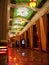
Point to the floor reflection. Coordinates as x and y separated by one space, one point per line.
17 56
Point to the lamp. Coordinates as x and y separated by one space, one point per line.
32 3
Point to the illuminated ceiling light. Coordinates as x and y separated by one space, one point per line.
22 22
32 4
18 29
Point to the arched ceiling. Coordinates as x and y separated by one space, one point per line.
22 16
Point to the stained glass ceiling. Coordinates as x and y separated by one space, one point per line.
22 15
23 12
17 25
19 21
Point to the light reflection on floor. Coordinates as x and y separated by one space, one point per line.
17 56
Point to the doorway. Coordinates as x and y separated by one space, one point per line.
36 39
27 38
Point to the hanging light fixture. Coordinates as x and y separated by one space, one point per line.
32 3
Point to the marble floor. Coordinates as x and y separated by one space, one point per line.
17 56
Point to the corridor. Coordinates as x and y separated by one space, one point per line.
24 32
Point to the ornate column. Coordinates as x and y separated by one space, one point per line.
42 34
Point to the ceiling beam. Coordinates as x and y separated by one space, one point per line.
25 5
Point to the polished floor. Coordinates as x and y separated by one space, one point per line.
17 56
